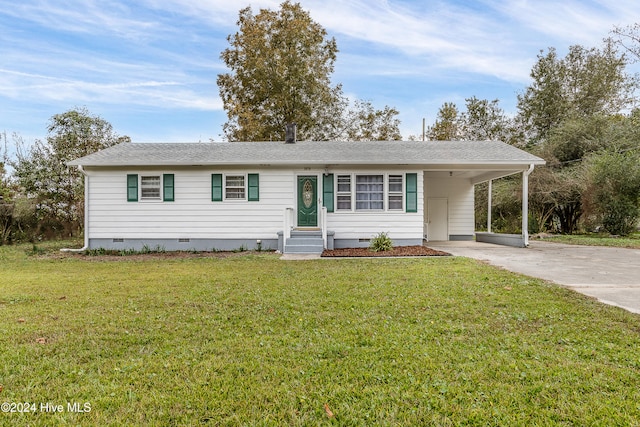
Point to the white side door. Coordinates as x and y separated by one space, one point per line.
437 219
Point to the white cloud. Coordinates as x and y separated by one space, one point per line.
161 94
89 17
431 39
571 21
103 56
215 12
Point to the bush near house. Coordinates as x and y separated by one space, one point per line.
381 242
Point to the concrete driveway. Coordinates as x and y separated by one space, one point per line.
611 275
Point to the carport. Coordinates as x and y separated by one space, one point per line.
449 183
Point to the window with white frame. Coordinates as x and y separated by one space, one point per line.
395 193
150 187
369 192
375 192
147 188
343 194
234 187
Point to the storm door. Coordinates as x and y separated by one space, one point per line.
307 201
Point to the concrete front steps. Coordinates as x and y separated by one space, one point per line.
304 242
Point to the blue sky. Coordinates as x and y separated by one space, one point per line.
149 67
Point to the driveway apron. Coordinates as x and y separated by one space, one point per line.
611 275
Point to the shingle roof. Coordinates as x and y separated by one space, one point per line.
310 153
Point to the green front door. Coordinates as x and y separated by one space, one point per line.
307 201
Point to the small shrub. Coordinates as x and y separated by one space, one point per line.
146 249
381 242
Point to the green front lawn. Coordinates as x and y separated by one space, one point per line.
253 340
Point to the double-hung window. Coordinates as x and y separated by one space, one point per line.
369 192
395 193
343 194
375 192
234 188
151 187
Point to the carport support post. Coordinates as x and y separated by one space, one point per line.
489 206
525 205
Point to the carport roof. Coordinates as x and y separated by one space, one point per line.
435 154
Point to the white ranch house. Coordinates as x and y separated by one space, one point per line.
294 197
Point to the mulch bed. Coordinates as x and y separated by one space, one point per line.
403 251
416 250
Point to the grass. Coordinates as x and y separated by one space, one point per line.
598 239
253 340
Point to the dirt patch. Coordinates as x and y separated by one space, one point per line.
416 250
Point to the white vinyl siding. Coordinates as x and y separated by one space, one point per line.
192 215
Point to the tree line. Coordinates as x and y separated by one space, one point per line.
578 113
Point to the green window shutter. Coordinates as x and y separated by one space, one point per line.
254 187
412 192
216 187
168 192
132 188
327 191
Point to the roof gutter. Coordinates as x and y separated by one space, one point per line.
86 215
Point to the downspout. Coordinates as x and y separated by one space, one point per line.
86 215
525 205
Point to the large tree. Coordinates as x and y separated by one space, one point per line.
584 83
447 126
614 189
42 173
485 120
364 123
281 63
572 108
481 120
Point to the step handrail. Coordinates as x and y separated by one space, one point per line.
286 226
